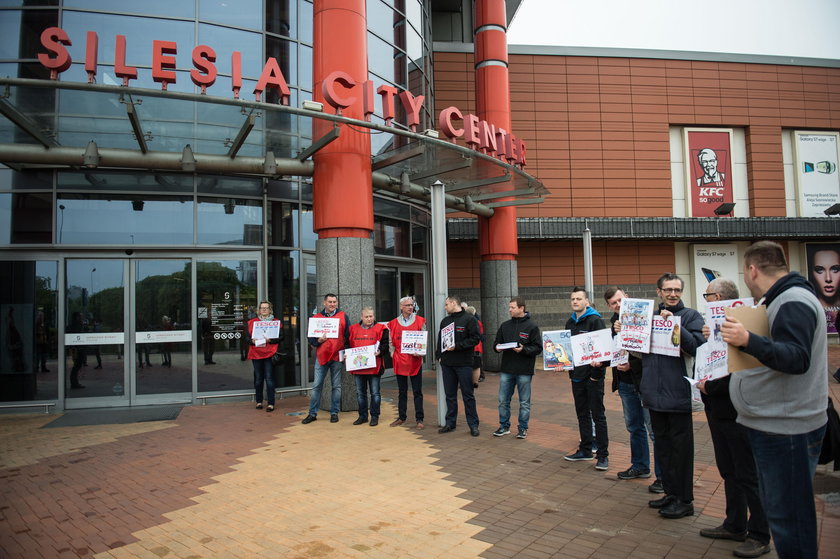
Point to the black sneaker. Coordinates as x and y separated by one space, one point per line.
309 419
523 433
333 418
633 473
501 432
751 548
579 455
358 421
656 487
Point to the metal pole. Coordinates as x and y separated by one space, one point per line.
440 286
587 263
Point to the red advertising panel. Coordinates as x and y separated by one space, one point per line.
709 165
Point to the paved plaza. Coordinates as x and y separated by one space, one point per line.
225 480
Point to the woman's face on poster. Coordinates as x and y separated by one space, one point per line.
825 272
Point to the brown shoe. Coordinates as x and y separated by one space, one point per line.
397 422
419 425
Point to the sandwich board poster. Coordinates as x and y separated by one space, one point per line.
665 335
635 317
708 164
592 347
357 358
716 315
817 179
414 342
557 350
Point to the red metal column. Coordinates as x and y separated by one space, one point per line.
342 189
497 234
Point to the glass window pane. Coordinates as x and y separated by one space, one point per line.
305 81
95 303
419 237
130 181
25 180
29 330
281 17
242 13
218 185
139 33
149 7
163 304
227 295
307 234
20 32
283 224
283 284
282 189
229 221
25 218
390 237
86 219
390 208
224 41
305 18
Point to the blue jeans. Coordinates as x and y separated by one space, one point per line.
263 372
334 367
363 383
507 383
634 420
786 466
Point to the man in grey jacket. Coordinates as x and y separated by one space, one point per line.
782 403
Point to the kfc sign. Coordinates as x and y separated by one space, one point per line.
339 89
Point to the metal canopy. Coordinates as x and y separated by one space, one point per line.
116 127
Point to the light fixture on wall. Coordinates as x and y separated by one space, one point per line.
312 106
725 209
137 205
833 210
230 205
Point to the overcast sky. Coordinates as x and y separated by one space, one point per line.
801 28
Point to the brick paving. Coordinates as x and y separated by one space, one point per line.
226 480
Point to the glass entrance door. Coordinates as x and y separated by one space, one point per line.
156 330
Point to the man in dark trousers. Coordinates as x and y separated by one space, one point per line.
457 339
782 402
588 385
667 394
733 455
517 368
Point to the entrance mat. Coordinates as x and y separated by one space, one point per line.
112 416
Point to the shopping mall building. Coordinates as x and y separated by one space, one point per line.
166 165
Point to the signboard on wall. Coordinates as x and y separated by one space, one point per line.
708 164
823 264
711 262
817 179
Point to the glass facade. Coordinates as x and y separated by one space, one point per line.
153 274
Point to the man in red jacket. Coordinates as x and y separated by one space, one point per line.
326 359
408 367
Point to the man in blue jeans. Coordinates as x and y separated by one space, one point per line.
782 403
519 341
326 360
626 380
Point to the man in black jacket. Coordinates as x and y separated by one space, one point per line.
517 368
588 385
626 380
667 395
459 335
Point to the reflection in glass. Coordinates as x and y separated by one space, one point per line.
147 7
130 181
283 289
225 41
94 304
124 220
283 224
229 221
28 330
281 17
227 299
163 313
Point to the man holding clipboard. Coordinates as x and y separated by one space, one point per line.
782 401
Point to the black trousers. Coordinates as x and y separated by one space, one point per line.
402 399
454 378
735 462
674 445
589 407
